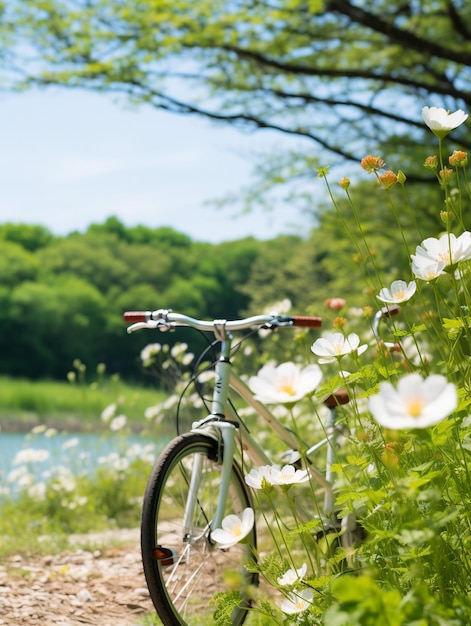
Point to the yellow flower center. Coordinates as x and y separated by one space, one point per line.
287 388
398 295
445 257
414 407
236 530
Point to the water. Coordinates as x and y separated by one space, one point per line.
79 452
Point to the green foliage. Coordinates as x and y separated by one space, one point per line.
70 292
28 236
16 264
67 504
329 74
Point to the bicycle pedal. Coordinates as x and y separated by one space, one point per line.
165 556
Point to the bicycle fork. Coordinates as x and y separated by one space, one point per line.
227 441
223 431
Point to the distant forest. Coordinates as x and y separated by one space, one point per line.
62 297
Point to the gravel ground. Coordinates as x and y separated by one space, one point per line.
105 586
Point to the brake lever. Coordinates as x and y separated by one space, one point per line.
162 325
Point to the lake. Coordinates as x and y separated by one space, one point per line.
80 452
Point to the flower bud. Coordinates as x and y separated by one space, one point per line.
388 179
447 217
322 171
345 183
339 323
431 162
445 175
401 177
459 158
372 163
335 303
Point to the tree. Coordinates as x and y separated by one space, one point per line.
349 77
16 264
63 320
30 236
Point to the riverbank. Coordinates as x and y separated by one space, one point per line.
73 407
26 422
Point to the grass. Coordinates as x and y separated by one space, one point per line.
24 403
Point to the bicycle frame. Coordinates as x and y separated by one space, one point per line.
205 479
224 425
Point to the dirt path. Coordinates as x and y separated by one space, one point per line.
105 587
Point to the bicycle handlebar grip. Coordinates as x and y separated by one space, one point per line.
136 316
307 321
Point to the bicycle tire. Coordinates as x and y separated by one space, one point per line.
183 575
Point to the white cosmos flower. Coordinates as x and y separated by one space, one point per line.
258 477
149 352
30 455
279 308
416 403
335 345
288 475
297 602
285 383
433 255
234 529
398 292
37 491
118 422
70 443
427 271
108 412
292 576
441 122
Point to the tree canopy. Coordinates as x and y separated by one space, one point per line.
62 298
347 76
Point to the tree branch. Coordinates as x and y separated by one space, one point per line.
367 75
404 37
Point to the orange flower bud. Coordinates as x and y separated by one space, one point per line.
431 162
388 179
445 175
345 183
339 323
459 158
372 163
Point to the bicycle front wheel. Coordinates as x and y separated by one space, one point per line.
183 568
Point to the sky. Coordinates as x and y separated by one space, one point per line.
72 158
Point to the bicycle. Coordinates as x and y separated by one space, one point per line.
198 479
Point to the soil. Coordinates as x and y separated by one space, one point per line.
104 586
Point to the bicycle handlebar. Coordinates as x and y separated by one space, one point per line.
165 319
